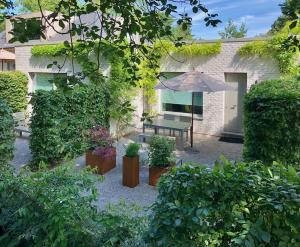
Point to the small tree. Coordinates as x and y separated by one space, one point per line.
233 31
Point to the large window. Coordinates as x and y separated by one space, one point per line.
180 102
44 81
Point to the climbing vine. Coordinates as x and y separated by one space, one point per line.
148 70
274 48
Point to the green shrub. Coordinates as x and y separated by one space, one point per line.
133 150
272 122
230 205
13 90
161 151
53 208
7 137
60 122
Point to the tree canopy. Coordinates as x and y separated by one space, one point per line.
290 11
233 31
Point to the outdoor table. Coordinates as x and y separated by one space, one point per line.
157 124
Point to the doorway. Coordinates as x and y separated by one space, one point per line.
233 115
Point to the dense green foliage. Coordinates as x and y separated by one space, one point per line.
7 136
272 122
229 205
233 31
119 83
274 48
133 150
161 151
13 89
53 208
201 49
47 50
290 11
60 121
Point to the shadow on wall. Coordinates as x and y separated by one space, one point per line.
180 63
255 65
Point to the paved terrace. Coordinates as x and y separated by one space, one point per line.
111 190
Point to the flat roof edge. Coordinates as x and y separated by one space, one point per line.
33 43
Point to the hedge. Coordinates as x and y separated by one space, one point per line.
246 204
7 136
51 208
60 121
13 90
272 122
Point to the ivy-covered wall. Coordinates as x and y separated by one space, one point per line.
273 48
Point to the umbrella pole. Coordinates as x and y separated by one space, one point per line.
192 126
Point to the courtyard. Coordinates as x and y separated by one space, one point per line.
207 150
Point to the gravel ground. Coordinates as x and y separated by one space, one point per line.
111 189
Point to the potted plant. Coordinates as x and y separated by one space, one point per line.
131 168
161 157
101 154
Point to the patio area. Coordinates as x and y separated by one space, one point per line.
111 189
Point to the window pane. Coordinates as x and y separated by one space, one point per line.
180 101
44 81
182 108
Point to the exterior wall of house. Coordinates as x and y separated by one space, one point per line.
30 65
228 61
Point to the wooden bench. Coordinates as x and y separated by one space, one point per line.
20 123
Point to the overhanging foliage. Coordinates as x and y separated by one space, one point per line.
274 48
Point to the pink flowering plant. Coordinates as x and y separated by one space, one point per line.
101 142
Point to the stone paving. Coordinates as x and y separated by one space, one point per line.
208 149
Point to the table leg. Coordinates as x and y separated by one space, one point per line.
181 144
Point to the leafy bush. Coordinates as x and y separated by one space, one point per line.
13 90
133 150
161 151
7 136
272 122
61 122
230 205
57 208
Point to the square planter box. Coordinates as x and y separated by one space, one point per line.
156 172
102 164
131 171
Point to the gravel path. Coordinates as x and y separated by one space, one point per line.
111 189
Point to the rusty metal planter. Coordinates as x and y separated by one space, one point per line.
131 171
103 164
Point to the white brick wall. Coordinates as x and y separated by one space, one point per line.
257 69
229 61
26 63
